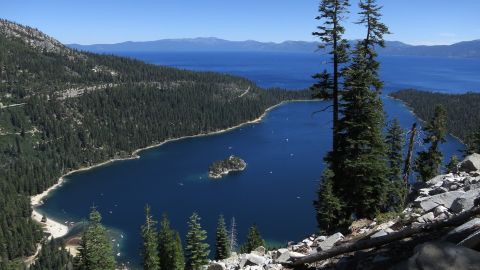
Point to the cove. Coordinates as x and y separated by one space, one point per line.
284 153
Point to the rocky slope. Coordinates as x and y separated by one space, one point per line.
443 233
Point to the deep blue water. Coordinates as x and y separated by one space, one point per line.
284 154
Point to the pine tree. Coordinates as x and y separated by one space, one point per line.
370 18
328 205
474 143
95 251
197 250
397 189
452 166
362 173
330 32
232 236
254 240
428 162
151 259
170 247
222 247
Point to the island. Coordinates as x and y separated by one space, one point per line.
221 168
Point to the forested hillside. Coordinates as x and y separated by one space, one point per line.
61 109
463 112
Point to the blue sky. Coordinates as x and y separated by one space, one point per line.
109 21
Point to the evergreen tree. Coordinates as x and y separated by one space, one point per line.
330 32
170 247
474 143
452 165
95 251
254 240
362 174
397 189
151 259
197 249
222 247
370 18
232 236
428 162
328 205
53 255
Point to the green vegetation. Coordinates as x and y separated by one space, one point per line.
397 187
76 109
197 250
428 163
452 165
462 112
222 247
95 252
223 167
151 259
254 240
357 174
170 247
53 255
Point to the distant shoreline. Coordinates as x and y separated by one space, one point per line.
57 229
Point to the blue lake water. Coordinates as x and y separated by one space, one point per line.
284 154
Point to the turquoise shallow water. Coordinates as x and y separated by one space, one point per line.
284 154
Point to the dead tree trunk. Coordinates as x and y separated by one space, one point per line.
382 240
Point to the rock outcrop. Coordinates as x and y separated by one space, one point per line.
441 198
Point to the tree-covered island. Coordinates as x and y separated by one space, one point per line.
221 168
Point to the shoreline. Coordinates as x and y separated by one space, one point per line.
57 229
410 109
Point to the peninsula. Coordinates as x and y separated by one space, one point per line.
221 168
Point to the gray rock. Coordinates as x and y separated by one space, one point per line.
468 225
437 180
253 259
379 234
273 267
440 210
470 163
260 251
466 201
288 256
428 217
437 190
216 266
320 238
445 199
330 241
441 256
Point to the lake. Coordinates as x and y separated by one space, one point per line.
284 154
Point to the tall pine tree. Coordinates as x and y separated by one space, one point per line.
95 251
222 247
397 189
170 247
474 143
330 32
362 175
428 163
151 259
328 205
197 249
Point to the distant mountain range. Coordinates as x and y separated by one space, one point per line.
467 49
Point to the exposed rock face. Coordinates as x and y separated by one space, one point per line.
470 163
33 37
441 256
440 198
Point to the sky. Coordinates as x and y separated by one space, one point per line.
425 22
